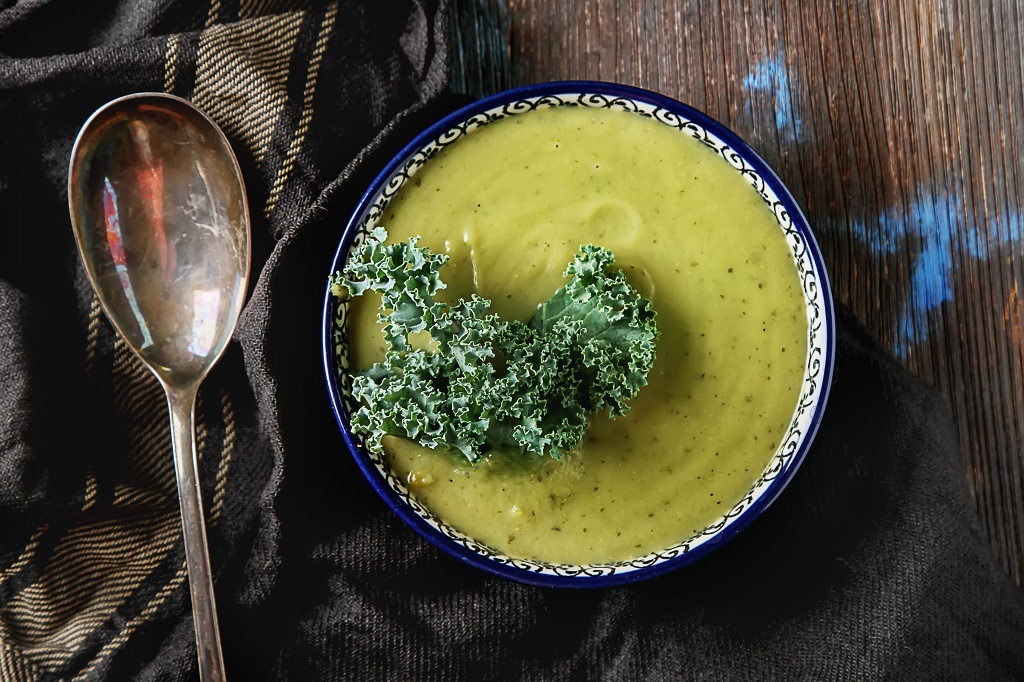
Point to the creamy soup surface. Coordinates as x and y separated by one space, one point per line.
511 203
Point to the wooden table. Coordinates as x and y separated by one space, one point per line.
898 126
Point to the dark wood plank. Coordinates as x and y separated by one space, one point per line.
899 126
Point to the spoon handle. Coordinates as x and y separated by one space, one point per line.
181 403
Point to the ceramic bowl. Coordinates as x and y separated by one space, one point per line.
806 256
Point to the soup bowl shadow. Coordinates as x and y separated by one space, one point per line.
733 151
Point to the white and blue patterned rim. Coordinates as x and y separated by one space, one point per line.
806 255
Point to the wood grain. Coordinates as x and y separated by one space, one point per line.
897 125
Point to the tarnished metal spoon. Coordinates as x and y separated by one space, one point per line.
159 211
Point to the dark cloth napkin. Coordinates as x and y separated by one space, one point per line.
870 566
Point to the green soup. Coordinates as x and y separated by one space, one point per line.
511 203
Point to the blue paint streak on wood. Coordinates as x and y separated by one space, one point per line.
934 224
771 76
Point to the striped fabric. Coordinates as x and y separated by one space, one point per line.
98 588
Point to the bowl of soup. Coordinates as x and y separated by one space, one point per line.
509 188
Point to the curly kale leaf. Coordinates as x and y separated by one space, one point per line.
534 405
407 278
611 326
526 388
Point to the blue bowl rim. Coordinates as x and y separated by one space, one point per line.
771 179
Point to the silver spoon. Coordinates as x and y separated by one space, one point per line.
159 212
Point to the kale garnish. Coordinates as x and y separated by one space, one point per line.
490 383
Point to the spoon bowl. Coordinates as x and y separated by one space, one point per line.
159 212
